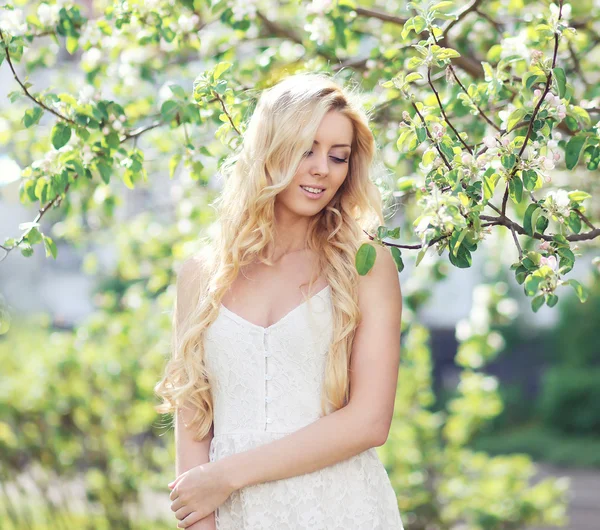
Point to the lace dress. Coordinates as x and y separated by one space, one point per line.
267 384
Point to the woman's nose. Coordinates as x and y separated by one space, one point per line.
320 165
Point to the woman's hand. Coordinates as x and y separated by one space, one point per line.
208 523
198 492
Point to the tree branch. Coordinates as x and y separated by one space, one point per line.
437 96
26 91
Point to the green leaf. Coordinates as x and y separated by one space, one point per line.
561 80
34 236
168 108
463 259
61 134
446 53
32 116
440 6
26 249
177 91
529 179
129 179
489 185
508 161
365 258
515 117
574 222
220 69
429 156
578 196
573 150
541 224
527 223
413 76
454 246
408 26
420 255
580 290
72 44
112 140
551 300
515 189
397 255
534 219
173 163
520 274
50 247
537 302
532 283
105 171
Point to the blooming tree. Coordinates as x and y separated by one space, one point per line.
486 114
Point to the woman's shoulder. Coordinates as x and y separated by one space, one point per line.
194 270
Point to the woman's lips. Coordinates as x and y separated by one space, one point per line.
311 195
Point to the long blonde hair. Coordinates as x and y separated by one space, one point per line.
281 129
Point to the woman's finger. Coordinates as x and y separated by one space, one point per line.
189 520
174 494
176 504
183 512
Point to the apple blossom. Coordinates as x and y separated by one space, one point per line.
557 202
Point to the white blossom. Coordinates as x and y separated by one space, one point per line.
13 21
91 34
557 202
243 8
319 29
87 155
186 24
490 142
48 14
319 7
515 46
86 94
92 58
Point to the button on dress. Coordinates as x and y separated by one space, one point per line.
267 384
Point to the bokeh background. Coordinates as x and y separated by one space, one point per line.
497 419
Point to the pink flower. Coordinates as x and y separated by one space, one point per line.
550 261
489 142
544 245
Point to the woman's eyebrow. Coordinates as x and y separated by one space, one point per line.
336 145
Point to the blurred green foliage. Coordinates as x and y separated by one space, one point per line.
570 398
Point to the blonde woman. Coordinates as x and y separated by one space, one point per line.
285 359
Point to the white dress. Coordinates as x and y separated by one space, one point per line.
267 384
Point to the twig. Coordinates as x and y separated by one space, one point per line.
227 113
437 96
535 111
431 137
514 234
26 91
385 17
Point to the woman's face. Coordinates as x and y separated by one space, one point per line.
325 167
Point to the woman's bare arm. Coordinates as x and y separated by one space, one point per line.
365 421
189 453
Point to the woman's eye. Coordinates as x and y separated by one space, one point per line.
334 158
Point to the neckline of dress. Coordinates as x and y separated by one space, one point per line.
242 320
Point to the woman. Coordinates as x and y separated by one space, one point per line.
288 392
